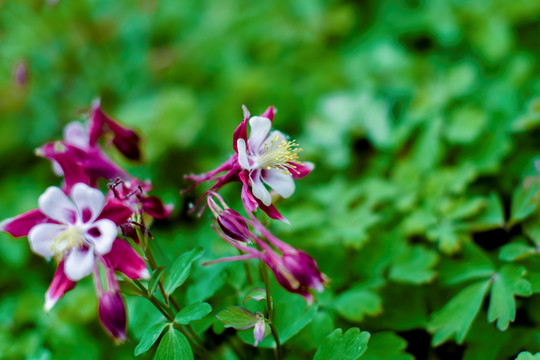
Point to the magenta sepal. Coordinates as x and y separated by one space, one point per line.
301 170
112 313
116 211
123 258
60 285
21 225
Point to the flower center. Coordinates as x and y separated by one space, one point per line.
68 239
280 155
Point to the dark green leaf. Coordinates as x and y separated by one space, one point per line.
523 203
386 345
174 346
149 338
180 269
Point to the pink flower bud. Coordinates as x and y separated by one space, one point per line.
112 312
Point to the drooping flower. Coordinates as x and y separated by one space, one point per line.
81 147
265 158
111 306
295 270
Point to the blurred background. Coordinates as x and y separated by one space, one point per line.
412 111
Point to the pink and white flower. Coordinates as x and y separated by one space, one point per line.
265 158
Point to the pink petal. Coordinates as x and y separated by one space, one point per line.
60 285
250 203
269 113
97 122
123 258
79 263
76 134
125 140
153 206
302 170
241 130
57 206
89 201
272 212
116 211
21 225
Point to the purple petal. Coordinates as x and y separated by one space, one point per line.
112 313
153 206
116 211
123 258
97 122
272 212
125 140
233 225
60 285
21 225
259 331
250 203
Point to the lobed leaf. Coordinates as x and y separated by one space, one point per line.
338 346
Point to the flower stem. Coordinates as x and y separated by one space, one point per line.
264 274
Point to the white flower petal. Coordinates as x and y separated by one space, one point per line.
282 183
242 154
41 238
259 190
102 234
79 263
260 126
88 200
75 133
57 206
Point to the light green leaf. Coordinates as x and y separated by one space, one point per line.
193 312
349 346
414 265
149 338
525 355
237 317
507 283
516 251
458 314
174 345
355 304
523 203
180 269
256 294
491 217
386 345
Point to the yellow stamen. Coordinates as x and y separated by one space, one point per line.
66 240
280 155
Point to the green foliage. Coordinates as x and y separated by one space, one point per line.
173 345
349 346
149 338
192 312
237 317
180 270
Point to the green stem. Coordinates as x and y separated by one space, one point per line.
264 274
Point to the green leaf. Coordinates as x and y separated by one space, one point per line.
516 251
149 338
237 317
256 294
525 355
491 217
180 269
193 312
458 314
386 345
414 265
355 304
174 345
523 203
154 280
339 346
507 283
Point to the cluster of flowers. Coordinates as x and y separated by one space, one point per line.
264 158
80 227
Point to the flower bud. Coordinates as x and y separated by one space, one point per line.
112 312
233 225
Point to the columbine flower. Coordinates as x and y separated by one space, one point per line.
78 232
265 158
81 147
295 270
